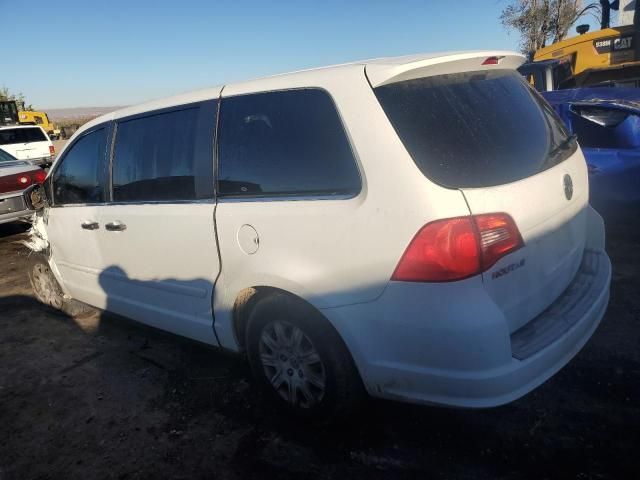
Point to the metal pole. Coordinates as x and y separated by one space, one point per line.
636 31
605 19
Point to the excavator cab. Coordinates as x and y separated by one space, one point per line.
8 112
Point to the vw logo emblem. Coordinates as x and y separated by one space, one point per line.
568 186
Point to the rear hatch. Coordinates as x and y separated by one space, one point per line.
491 136
25 143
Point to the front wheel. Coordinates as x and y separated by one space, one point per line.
47 289
300 360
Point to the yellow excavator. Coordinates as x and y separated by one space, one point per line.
12 113
606 57
28 117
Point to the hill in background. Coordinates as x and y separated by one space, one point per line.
62 114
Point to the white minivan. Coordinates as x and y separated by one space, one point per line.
417 228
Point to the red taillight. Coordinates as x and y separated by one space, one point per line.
457 248
441 251
20 181
52 149
492 61
39 176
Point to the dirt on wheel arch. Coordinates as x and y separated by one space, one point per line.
101 397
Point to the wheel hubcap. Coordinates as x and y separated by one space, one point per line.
292 364
45 290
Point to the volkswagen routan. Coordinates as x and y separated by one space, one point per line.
413 228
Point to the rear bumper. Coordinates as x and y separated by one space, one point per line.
13 216
12 208
449 345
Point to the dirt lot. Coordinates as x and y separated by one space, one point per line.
58 144
105 398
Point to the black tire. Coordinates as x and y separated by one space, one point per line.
48 291
343 388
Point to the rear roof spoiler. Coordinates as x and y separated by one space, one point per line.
392 70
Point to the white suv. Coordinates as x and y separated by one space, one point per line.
28 142
417 228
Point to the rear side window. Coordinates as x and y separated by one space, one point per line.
475 129
80 176
158 157
284 143
21 135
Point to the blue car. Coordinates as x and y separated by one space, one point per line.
607 124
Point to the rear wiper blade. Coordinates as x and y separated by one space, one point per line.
569 142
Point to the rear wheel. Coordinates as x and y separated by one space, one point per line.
299 359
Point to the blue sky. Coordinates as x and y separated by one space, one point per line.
119 52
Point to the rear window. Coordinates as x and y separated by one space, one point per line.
21 135
475 129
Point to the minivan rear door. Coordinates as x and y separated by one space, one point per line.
490 135
550 211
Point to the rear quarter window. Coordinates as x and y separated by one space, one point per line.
475 129
284 143
9 136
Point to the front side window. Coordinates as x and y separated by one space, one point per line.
284 143
157 158
80 176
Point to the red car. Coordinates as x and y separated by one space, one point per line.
15 176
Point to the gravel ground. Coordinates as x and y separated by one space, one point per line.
102 397
58 144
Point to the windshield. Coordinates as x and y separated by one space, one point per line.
475 129
9 136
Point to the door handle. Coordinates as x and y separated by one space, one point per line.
116 226
90 225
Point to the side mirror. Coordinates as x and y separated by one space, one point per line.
35 197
